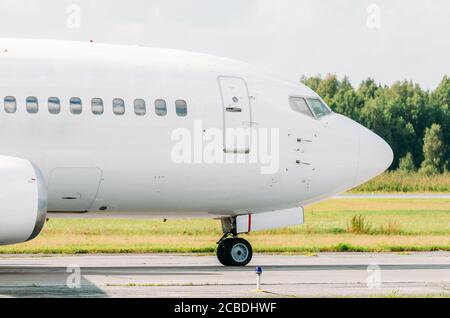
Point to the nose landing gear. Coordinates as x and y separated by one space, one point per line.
233 251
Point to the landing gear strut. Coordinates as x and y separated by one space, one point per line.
233 251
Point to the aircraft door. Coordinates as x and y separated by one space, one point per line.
73 189
237 114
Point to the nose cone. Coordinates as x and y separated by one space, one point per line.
375 156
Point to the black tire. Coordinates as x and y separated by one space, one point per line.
221 253
237 252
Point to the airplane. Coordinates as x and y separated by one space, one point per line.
101 129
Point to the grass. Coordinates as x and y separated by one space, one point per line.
399 182
358 225
388 225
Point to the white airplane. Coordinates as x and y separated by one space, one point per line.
96 128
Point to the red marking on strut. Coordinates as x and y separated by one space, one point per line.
249 223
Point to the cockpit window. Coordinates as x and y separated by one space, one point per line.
299 105
318 107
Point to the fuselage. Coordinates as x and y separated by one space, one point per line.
122 159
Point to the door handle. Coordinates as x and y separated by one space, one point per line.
76 196
234 110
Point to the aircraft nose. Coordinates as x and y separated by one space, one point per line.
375 156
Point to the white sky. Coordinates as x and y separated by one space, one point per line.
291 37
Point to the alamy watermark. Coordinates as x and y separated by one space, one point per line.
374 16
73 20
74 279
374 278
259 146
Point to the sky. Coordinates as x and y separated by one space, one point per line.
388 40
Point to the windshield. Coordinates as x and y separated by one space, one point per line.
318 107
299 105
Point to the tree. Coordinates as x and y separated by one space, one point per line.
442 93
345 85
328 87
407 164
406 102
368 89
348 103
439 111
379 115
312 82
434 150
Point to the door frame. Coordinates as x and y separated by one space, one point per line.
97 187
250 108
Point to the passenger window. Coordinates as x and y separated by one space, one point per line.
160 107
54 105
299 105
318 107
140 108
181 107
118 106
32 105
76 106
97 106
10 104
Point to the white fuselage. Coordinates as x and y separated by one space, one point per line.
125 162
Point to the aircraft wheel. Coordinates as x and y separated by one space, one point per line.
221 253
235 252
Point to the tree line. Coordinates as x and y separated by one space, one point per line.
415 122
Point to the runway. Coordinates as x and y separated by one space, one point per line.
323 275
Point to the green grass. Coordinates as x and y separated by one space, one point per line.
358 225
399 182
389 225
